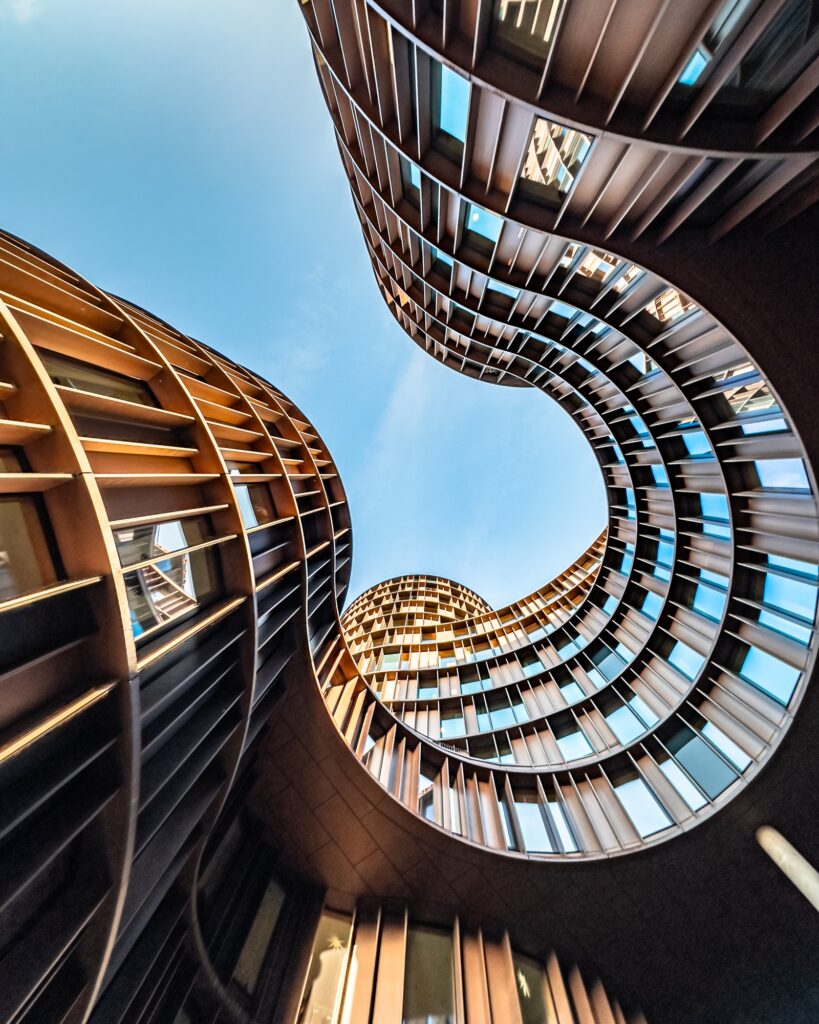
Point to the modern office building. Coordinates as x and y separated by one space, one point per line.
223 800
614 203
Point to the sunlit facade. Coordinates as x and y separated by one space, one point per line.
606 204
227 798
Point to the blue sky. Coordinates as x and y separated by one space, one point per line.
179 153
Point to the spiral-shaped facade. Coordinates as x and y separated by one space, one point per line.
671 682
226 798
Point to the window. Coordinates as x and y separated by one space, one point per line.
788 474
27 558
697 445
625 725
482 223
607 662
797 597
694 68
770 675
709 601
572 692
503 289
253 952
704 766
163 586
574 745
531 984
642 807
531 665
255 504
453 110
652 605
70 373
530 814
439 256
501 713
325 977
428 977
685 659
561 823
553 158
638 705
525 30
670 305
735 754
452 723
683 785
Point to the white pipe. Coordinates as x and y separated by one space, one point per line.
803 875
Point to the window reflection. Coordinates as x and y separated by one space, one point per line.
325 979
553 158
71 373
26 561
525 28
164 586
255 504
428 978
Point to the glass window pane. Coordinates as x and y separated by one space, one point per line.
140 543
530 978
561 823
255 504
525 29
553 158
734 753
625 725
684 786
785 473
483 223
325 978
536 837
707 769
642 807
428 978
71 373
574 745
685 659
454 104
25 557
251 958
169 588
770 675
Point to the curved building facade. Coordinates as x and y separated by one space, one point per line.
175 551
614 204
227 799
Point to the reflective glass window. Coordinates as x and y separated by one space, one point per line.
625 725
324 986
770 674
429 996
530 813
71 373
685 659
253 952
573 745
454 104
642 807
27 560
732 751
553 158
707 769
788 474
